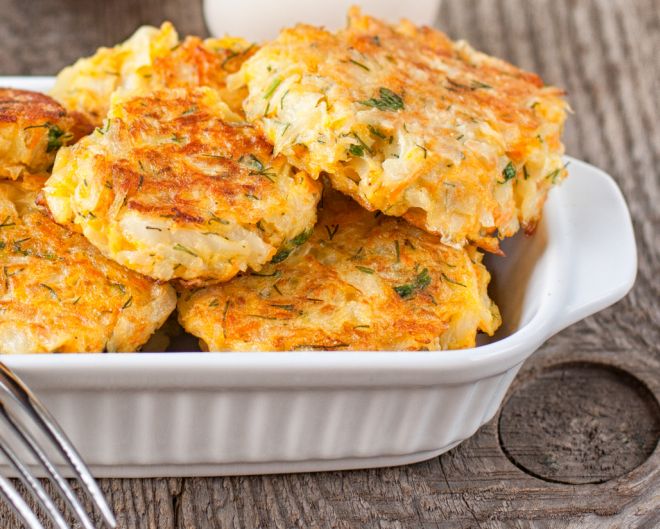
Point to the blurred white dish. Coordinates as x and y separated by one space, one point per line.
186 414
258 20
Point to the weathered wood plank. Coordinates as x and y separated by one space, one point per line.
604 52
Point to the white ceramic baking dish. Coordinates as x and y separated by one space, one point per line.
176 414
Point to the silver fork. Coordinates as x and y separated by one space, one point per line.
14 391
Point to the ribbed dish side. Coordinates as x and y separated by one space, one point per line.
192 427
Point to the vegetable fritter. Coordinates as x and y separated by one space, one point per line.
152 58
33 127
175 187
408 122
59 294
361 282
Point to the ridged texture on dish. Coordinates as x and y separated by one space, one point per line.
175 187
410 123
59 294
33 127
150 59
361 281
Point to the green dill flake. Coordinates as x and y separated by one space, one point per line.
449 280
376 133
424 149
281 255
190 110
525 173
356 150
214 303
119 286
552 175
332 230
153 228
478 84
51 290
289 308
302 237
365 269
276 273
56 138
271 89
508 173
388 100
128 303
397 250
421 281
363 66
217 219
282 99
7 223
181 248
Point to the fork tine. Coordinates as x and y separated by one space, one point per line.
62 484
31 483
45 420
13 498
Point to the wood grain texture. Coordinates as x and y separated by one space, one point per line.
605 53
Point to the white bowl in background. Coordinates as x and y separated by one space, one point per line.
259 20
187 414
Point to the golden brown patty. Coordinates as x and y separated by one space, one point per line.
175 187
59 294
410 123
152 58
362 281
33 127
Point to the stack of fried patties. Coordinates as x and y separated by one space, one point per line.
323 191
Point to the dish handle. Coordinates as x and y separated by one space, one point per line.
603 262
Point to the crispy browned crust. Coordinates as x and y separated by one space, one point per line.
437 152
362 281
180 163
33 126
59 294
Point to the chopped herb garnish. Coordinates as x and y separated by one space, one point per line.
271 89
51 290
356 150
217 219
332 230
478 84
128 303
365 269
119 286
302 237
276 273
525 173
182 248
289 308
421 281
388 100
190 110
153 228
362 327
281 255
356 63
282 99
423 149
7 223
508 173
449 280
397 250
553 175
376 132
214 303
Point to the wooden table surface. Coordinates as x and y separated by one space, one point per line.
576 442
